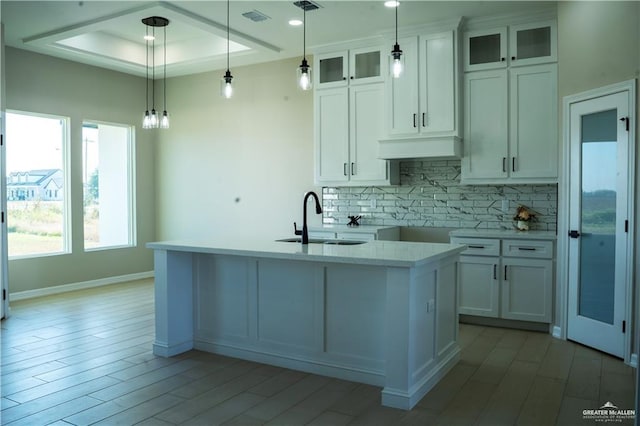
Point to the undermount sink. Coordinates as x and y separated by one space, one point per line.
323 241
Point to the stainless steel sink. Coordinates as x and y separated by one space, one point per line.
323 241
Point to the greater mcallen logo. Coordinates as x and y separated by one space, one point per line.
609 413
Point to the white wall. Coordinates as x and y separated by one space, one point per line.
237 167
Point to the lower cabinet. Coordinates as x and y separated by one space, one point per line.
517 284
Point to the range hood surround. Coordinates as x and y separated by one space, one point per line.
437 147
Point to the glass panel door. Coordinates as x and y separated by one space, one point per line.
598 216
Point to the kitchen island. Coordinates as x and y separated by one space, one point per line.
382 313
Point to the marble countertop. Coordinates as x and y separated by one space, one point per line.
504 233
379 253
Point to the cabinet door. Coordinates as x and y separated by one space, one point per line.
403 92
437 83
486 49
366 121
534 122
533 43
526 289
331 135
485 125
478 286
330 70
365 65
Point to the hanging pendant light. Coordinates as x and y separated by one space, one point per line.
151 119
396 53
164 121
304 70
226 89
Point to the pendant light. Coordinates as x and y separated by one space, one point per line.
151 120
396 53
164 122
304 70
226 89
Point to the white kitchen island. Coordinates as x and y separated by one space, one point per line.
382 313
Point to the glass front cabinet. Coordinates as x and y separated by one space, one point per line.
516 45
355 66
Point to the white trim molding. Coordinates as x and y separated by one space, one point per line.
47 291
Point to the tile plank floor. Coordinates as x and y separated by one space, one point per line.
84 358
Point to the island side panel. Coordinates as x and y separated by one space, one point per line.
173 302
421 329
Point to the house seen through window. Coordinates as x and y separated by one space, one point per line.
36 184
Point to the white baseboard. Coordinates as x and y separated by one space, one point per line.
557 332
47 291
634 360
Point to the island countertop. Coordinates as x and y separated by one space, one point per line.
380 253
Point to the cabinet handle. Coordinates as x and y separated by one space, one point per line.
344 168
527 248
513 164
476 247
495 271
513 58
351 77
505 272
504 162
423 119
344 78
353 165
414 120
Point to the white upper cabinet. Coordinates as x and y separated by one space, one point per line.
348 118
485 49
511 106
355 66
515 45
422 100
533 43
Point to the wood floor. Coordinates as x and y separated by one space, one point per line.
85 358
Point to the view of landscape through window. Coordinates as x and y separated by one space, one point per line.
35 184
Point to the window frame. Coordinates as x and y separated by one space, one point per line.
131 185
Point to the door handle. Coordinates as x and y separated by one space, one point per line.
574 234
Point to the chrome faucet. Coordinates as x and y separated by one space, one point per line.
305 231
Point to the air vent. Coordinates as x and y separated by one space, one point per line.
306 5
256 16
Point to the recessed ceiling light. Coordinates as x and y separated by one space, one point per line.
392 3
295 22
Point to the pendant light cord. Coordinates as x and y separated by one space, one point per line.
397 5
153 71
227 35
147 70
164 77
304 30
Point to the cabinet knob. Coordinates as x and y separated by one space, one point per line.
344 78
513 58
351 77
503 59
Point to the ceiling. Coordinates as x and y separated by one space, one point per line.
110 34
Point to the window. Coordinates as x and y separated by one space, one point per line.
108 185
36 170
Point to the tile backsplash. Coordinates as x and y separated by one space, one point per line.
430 195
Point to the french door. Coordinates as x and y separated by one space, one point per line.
599 214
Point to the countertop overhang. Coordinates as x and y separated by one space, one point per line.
377 253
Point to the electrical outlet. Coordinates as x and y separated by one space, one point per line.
431 305
505 206
374 203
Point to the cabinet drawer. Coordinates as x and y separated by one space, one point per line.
479 246
528 248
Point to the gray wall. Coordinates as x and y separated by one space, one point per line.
43 84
